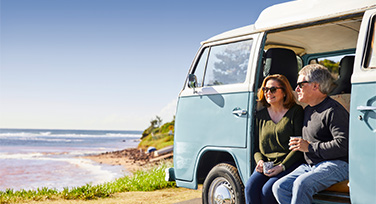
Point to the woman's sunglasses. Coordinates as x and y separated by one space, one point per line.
271 89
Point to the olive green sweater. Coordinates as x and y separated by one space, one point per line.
272 139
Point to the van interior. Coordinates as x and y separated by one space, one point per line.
331 43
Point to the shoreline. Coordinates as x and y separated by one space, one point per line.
131 159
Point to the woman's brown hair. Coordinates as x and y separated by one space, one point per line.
289 99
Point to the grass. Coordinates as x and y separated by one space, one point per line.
158 137
147 180
158 141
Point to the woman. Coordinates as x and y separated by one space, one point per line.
280 119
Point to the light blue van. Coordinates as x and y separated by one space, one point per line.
214 126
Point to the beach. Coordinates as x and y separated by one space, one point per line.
131 159
37 158
31 159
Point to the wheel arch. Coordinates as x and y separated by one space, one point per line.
209 158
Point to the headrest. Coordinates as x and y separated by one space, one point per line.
282 61
346 66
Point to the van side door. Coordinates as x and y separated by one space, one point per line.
213 112
362 139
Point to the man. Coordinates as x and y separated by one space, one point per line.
324 142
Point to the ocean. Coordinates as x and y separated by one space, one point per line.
37 158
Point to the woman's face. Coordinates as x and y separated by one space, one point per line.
273 92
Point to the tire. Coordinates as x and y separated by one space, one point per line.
223 185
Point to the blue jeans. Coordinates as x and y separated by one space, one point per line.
306 181
258 188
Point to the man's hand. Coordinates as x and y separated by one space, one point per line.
299 144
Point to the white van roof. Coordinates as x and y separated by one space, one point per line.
302 11
299 12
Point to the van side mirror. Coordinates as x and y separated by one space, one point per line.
192 82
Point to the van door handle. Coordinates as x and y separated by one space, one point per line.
365 108
239 112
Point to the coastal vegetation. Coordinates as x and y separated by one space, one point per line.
157 135
149 179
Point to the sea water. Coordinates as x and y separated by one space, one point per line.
37 158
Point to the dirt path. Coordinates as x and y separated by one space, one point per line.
164 196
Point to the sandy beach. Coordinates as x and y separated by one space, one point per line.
132 159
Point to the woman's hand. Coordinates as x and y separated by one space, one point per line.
260 166
298 144
274 171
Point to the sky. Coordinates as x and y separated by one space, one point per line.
104 64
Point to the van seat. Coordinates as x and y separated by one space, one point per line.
337 193
342 187
282 61
346 67
343 99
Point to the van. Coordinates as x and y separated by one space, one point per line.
215 115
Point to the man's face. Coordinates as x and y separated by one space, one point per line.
303 89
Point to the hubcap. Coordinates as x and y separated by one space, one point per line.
221 192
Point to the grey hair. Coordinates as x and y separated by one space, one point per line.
319 74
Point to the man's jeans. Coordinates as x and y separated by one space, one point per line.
300 185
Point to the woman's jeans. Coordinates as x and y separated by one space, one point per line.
300 185
258 188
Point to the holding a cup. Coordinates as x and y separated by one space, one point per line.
280 118
294 141
267 166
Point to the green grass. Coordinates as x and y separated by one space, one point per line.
158 137
15 196
149 180
158 141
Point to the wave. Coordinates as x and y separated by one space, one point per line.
60 171
56 156
39 139
70 135
27 156
45 133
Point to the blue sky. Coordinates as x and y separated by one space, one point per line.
104 64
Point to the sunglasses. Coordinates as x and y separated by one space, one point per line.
271 89
300 84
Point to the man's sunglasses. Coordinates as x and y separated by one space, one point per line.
271 89
300 84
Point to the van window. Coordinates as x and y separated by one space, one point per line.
370 54
227 64
200 67
332 63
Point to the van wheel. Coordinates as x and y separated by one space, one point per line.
223 185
